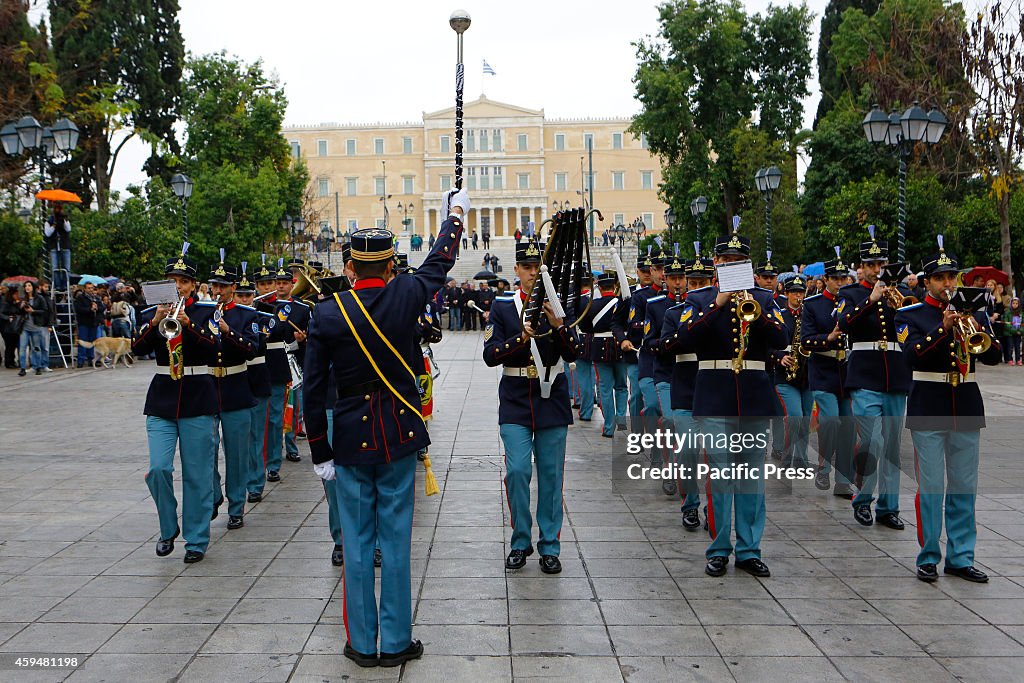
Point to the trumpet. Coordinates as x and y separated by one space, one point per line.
170 327
977 340
747 307
897 300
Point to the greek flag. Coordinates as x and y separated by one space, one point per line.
488 69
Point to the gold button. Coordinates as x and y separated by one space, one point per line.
364 444
927 338
365 418
366 398
735 329
402 411
410 435
446 248
735 339
452 235
940 330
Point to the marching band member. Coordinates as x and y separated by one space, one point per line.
945 415
293 318
581 380
366 338
238 340
731 382
181 409
629 333
529 424
603 353
651 409
790 374
878 379
826 374
259 377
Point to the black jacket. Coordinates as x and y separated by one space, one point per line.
40 310
61 237
84 313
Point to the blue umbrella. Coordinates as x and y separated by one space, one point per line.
91 280
814 269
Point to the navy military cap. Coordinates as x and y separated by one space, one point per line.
245 285
295 262
767 268
372 244
646 261
675 265
733 244
529 251
836 267
316 265
699 268
282 273
874 249
795 284
181 265
607 280
222 274
940 262
346 252
401 262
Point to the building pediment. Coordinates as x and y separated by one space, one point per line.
483 108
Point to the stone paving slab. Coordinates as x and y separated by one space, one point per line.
78 574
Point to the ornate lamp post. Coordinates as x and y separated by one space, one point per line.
767 181
697 209
670 222
42 144
327 235
181 185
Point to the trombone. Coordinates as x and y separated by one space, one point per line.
170 327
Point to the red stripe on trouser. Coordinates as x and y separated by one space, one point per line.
344 605
266 423
711 504
917 500
785 421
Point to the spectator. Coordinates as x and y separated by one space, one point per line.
487 238
454 302
121 318
518 234
465 241
51 320
913 284
495 268
604 237
204 292
1012 332
34 313
10 323
57 238
487 261
469 314
476 244
89 312
430 242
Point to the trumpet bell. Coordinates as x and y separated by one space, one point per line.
748 309
305 288
978 343
169 328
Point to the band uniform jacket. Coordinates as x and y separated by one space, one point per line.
235 347
428 325
258 373
637 317
664 362
192 395
826 371
372 426
780 371
874 370
629 322
519 399
596 325
282 338
931 348
676 344
714 331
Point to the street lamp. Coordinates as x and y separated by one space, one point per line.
181 185
561 206
298 228
327 235
670 221
41 143
65 135
406 209
767 181
697 209
903 133
30 132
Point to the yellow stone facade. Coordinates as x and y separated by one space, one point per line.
518 167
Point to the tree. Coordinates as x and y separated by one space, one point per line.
994 58
832 82
782 57
22 246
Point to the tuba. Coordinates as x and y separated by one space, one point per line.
307 288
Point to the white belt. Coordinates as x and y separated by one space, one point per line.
728 365
224 372
275 345
258 360
686 358
188 370
875 346
530 371
944 377
830 354
601 334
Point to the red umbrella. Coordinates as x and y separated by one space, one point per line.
986 273
19 279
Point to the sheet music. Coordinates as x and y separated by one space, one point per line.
735 276
160 292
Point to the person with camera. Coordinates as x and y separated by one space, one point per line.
34 314
89 312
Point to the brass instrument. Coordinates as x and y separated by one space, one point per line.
306 288
896 300
747 307
966 329
170 327
797 351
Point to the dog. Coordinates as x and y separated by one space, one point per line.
110 350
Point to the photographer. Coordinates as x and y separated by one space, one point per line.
89 311
57 238
36 314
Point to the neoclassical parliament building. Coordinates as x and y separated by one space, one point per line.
519 167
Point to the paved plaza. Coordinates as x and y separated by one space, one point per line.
79 577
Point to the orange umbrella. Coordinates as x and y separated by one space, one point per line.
58 196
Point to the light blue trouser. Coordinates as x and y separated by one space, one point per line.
683 422
955 455
196 437
799 405
663 391
30 345
366 494
879 418
837 435
743 495
633 375
289 437
275 425
585 378
652 408
611 383
333 515
236 425
256 477
778 423
547 446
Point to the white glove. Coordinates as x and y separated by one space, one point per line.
453 199
324 470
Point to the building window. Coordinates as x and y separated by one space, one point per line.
616 140
647 180
498 178
618 180
643 141
484 144
561 182
648 219
323 187
470 141
350 147
378 186
407 184
485 179
588 141
446 144
378 145
485 222
525 220
353 225
351 185
589 181
471 178
560 142
406 145
381 224
321 148
521 142
523 181
496 140
296 148
618 219
446 183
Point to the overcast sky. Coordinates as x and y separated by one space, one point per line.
391 60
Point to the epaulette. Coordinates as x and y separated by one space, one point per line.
264 313
855 284
656 298
907 308
147 310
699 289
299 302
504 298
681 303
205 303
813 296
248 308
762 289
